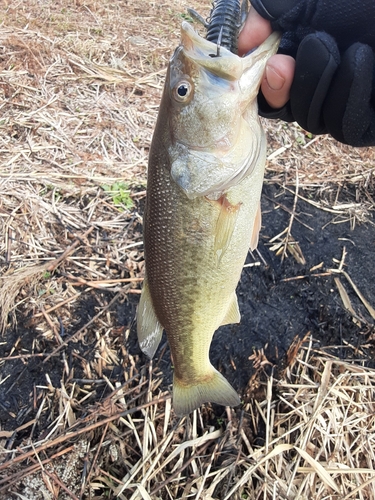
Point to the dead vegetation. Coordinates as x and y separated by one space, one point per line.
318 441
79 89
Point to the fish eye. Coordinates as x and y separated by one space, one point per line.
182 91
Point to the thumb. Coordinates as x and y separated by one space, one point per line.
277 80
254 32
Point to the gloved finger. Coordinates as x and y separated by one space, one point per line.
265 110
348 21
316 62
349 111
271 10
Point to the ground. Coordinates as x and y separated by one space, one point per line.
83 413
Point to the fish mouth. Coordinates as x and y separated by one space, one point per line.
203 52
229 65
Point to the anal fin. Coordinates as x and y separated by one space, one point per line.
149 329
233 312
256 229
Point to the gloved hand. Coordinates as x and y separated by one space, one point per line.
333 42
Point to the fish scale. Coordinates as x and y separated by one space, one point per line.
202 209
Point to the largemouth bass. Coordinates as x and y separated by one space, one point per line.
202 213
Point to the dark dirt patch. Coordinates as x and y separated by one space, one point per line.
20 377
26 380
276 308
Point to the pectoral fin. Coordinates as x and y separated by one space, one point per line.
225 225
149 329
256 229
233 313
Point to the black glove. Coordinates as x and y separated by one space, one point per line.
333 42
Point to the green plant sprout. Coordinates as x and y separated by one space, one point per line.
120 194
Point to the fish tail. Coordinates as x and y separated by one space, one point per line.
213 388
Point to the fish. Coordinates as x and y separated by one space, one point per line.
202 213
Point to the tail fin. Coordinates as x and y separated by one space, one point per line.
213 388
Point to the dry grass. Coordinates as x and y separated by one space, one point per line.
319 440
80 84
